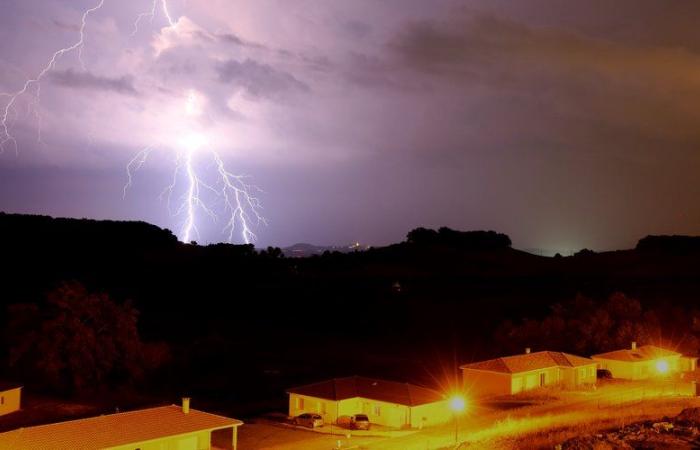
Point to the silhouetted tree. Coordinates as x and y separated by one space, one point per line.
467 240
584 326
79 341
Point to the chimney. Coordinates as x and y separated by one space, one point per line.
185 405
634 345
527 350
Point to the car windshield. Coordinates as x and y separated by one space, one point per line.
361 417
316 416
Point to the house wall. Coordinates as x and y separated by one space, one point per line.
430 414
687 364
10 400
383 413
328 409
481 383
573 377
639 370
378 412
193 441
527 381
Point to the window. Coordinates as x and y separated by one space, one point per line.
543 378
582 372
300 403
591 372
2 400
377 410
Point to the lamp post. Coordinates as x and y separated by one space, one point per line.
457 405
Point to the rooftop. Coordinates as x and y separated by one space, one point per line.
387 391
114 429
643 353
7 385
529 361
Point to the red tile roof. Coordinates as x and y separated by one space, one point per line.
529 361
643 353
8 386
370 388
114 429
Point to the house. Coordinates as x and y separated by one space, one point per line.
514 374
647 361
162 428
10 397
386 403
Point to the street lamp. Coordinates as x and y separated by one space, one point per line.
662 366
457 405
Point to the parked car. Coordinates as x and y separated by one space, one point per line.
603 374
359 422
309 420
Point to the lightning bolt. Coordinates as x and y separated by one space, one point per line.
6 137
152 13
241 206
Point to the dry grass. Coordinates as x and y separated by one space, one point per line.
545 432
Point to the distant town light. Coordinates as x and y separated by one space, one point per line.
662 366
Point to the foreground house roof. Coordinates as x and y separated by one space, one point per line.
114 429
529 361
643 353
370 388
8 386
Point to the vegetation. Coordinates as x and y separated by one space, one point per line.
585 326
78 342
241 324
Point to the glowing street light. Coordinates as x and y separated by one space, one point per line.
662 366
457 405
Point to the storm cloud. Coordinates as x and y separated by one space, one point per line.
564 124
259 80
86 80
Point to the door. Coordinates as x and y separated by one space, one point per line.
543 379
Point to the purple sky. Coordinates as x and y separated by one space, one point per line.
563 124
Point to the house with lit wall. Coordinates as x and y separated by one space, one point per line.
509 375
10 398
644 362
388 403
171 427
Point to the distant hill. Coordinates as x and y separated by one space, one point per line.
305 250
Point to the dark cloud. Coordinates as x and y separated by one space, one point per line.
231 38
85 80
357 29
259 80
596 83
66 26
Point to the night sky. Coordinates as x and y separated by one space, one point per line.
565 124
